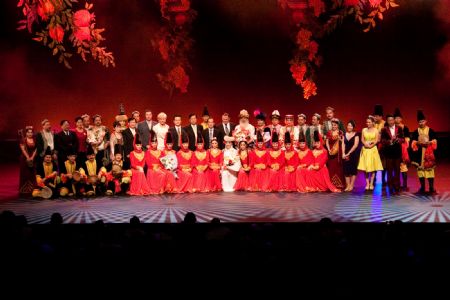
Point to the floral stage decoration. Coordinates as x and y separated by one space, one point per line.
64 26
312 19
174 44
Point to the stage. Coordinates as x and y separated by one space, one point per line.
358 206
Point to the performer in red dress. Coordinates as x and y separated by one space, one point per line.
138 184
215 161
184 183
259 159
242 183
200 167
291 164
170 168
305 159
318 177
156 175
276 165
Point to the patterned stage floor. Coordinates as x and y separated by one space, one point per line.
241 207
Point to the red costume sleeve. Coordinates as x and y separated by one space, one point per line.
321 160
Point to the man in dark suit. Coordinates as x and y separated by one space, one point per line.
145 127
193 130
210 133
65 142
128 139
391 140
225 128
176 131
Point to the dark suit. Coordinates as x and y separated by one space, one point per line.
144 132
41 144
175 137
392 154
191 135
65 144
221 128
216 133
128 139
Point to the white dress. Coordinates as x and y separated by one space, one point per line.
161 131
230 172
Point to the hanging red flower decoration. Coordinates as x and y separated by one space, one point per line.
312 19
173 43
54 24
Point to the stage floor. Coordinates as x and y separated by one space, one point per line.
357 206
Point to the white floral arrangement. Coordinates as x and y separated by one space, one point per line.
170 163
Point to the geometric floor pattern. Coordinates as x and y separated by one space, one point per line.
241 207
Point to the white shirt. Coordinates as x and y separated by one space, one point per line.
194 128
226 128
392 129
133 131
161 131
48 135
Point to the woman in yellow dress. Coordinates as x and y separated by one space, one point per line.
369 160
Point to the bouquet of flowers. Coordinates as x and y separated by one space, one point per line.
170 163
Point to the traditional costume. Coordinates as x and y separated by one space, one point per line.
305 159
71 179
230 168
139 185
318 178
423 145
291 164
259 159
405 162
200 167
243 183
184 183
94 174
334 163
46 176
118 177
215 161
276 165
156 174
170 163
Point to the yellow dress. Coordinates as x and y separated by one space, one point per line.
369 160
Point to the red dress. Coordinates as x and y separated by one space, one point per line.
215 160
138 184
334 163
290 171
305 159
200 171
170 177
243 183
258 173
184 183
156 175
318 179
276 170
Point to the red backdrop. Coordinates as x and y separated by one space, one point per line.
240 61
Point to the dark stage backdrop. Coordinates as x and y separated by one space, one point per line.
240 61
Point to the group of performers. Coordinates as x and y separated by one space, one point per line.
149 158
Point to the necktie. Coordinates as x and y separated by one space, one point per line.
210 134
179 135
227 131
194 128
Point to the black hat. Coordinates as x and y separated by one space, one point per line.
259 137
48 151
184 137
301 137
137 139
378 110
274 137
397 113
199 139
118 149
316 136
420 115
260 116
205 111
152 138
267 129
287 137
169 139
71 152
90 150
